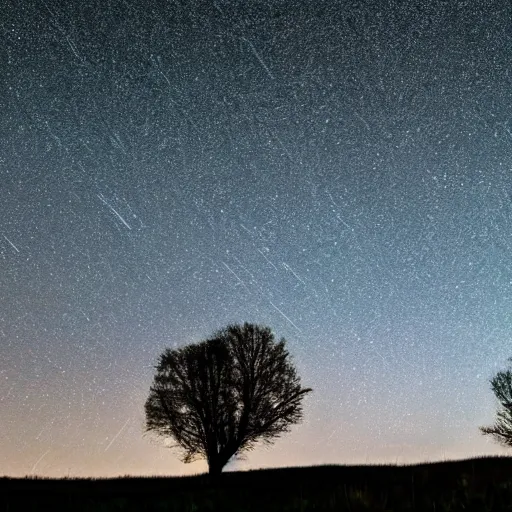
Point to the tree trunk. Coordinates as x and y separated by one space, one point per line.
215 465
217 461
215 468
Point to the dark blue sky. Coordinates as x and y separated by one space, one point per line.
339 171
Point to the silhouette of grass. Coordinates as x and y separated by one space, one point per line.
480 484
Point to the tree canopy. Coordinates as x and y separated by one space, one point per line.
501 431
221 396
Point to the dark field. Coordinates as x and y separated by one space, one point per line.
482 484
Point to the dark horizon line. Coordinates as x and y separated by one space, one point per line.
4 478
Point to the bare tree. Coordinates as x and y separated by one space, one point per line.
501 384
219 397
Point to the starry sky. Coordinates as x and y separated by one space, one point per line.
340 171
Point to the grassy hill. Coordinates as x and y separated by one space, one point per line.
481 484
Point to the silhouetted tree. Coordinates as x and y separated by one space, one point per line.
501 385
219 397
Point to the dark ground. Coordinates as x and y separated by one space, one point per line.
482 484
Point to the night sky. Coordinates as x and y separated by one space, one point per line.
340 171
